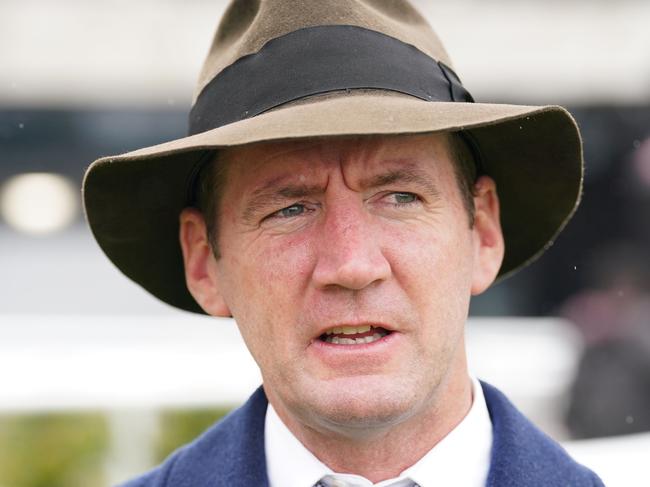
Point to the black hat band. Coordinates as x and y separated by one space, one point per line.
318 60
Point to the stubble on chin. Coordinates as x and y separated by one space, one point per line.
355 413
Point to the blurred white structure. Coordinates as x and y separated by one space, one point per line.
113 362
118 52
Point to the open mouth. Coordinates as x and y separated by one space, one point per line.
353 335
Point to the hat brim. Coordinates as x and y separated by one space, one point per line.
534 153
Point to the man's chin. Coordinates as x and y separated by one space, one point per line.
361 405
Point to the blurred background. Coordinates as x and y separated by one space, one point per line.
101 381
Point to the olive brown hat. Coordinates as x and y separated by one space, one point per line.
285 69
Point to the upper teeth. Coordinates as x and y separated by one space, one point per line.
348 330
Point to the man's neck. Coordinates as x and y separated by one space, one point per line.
386 453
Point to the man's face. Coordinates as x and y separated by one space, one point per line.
364 242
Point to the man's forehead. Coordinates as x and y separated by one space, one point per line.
364 153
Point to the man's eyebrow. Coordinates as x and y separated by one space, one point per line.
270 193
402 175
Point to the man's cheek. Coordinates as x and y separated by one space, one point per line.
288 262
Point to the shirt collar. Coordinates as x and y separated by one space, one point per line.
288 462
462 456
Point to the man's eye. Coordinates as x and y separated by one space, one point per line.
290 211
295 212
404 198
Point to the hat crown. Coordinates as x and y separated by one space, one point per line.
247 25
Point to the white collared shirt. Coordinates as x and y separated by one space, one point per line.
461 459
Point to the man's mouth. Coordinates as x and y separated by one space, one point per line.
353 335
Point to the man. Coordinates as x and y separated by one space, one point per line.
338 197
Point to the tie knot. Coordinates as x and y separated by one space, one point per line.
337 480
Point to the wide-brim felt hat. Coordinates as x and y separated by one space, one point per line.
280 69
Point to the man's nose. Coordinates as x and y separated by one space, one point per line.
349 253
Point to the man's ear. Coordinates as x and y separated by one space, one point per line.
201 274
489 246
